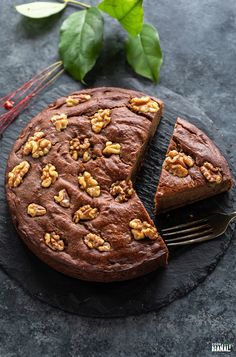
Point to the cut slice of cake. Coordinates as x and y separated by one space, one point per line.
193 169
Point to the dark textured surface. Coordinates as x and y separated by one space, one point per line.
187 267
198 39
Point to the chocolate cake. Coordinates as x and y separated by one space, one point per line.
69 185
193 169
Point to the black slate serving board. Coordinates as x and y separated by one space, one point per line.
187 267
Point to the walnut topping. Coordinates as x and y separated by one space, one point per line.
15 176
54 241
178 163
89 184
100 119
85 213
63 198
144 105
211 173
73 100
37 145
80 148
35 210
97 242
141 230
111 148
60 121
122 190
49 175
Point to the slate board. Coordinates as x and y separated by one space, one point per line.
187 267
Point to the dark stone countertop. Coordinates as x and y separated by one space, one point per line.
199 43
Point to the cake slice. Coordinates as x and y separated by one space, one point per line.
193 169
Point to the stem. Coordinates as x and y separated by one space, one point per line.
38 78
26 86
23 95
75 2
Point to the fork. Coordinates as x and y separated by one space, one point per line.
197 231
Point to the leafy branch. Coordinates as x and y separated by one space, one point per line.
81 34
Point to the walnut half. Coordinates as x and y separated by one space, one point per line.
49 175
89 184
122 190
76 99
35 210
111 148
211 173
80 148
60 121
85 213
100 120
54 241
63 198
178 163
144 105
37 145
97 242
141 230
15 176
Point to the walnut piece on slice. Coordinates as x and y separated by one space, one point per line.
49 175
76 99
35 210
54 241
63 198
80 148
178 163
85 213
89 184
96 242
111 148
37 145
122 191
142 229
144 105
16 175
60 121
211 173
100 120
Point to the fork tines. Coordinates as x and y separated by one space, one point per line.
197 231
187 233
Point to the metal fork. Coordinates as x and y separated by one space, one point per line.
198 231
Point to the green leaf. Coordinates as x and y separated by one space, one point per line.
128 12
144 53
81 40
39 10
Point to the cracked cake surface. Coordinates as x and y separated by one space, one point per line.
69 185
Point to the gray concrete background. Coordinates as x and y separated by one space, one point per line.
199 43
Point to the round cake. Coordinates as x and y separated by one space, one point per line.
69 185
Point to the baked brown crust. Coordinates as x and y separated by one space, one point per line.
56 182
195 182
